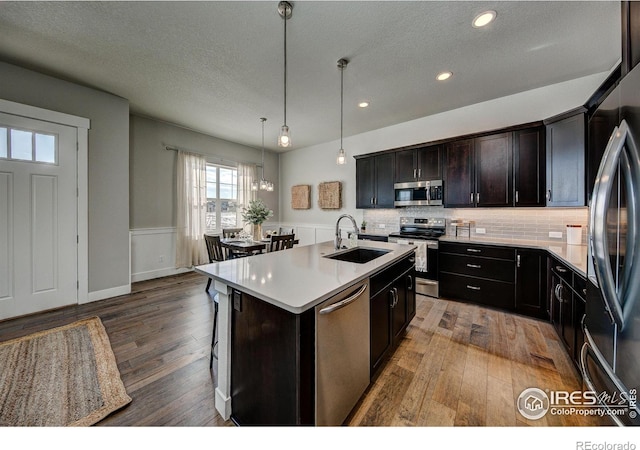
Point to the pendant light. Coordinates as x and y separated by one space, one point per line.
284 139
263 184
342 64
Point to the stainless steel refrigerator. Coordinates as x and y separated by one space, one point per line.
610 356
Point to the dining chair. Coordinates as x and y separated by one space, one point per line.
229 233
281 242
285 230
216 254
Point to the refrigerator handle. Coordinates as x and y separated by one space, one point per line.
598 222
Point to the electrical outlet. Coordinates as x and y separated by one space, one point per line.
381 225
481 231
555 234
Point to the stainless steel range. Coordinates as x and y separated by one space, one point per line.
424 234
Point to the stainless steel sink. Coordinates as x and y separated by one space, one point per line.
359 255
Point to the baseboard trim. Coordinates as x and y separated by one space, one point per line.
158 273
108 293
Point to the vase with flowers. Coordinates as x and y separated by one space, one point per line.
255 214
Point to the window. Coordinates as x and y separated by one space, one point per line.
222 197
23 145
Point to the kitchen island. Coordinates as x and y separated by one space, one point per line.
268 325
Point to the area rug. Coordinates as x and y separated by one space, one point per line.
65 376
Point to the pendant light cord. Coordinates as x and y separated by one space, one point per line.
341 102
263 120
285 65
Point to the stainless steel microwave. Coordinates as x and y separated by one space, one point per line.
419 193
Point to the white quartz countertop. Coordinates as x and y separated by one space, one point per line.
301 277
574 256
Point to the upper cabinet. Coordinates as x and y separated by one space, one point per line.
503 169
374 181
459 181
565 180
630 35
529 167
494 170
419 164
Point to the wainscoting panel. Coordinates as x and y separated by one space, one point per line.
153 253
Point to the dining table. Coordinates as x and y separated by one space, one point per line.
251 247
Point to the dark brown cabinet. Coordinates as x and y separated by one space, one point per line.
494 170
392 306
529 167
565 165
630 35
374 181
477 273
567 295
419 164
459 181
498 170
509 278
531 283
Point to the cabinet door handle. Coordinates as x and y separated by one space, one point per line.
474 250
549 195
518 261
415 173
419 173
474 266
478 197
475 288
410 280
392 298
395 296
516 196
471 201
371 200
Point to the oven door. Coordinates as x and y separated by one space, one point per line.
426 264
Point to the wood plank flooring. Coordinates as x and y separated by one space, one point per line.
458 364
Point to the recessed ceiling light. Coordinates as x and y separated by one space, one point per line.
484 19
443 76
363 104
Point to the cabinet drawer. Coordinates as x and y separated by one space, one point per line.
495 269
381 279
478 250
580 285
477 290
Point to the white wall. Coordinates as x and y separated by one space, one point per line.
316 164
108 169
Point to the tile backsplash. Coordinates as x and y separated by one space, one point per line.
513 223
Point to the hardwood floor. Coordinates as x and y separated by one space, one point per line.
458 364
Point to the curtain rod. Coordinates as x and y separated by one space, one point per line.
217 158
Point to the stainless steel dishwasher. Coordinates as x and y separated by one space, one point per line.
342 353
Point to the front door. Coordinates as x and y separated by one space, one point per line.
38 216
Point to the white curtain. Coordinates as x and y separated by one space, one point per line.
246 176
191 210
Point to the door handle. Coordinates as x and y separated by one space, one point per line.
410 280
392 298
549 195
419 173
516 196
395 295
345 302
471 201
478 197
415 173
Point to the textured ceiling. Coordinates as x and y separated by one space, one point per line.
217 67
